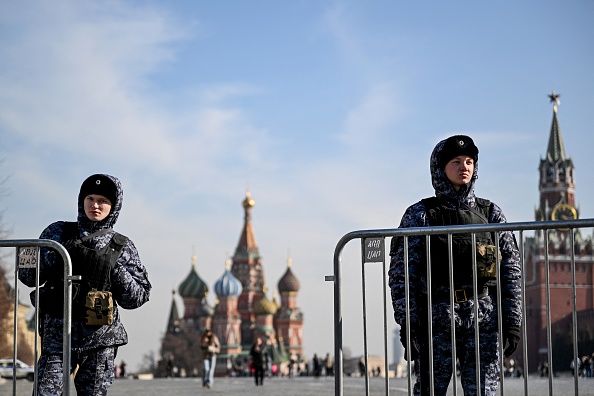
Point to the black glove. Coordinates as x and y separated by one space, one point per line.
414 351
511 337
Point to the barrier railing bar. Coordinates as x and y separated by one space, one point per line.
452 317
500 315
548 311
407 306
15 324
364 318
429 319
524 331
386 368
477 348
574 313
36 343
337 278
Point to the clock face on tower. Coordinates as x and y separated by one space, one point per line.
564 211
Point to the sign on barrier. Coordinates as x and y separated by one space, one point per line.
28 257
374 250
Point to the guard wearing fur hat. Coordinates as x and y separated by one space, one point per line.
454 171
112 276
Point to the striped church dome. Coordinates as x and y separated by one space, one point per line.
288 282
264 306
193 286
227 285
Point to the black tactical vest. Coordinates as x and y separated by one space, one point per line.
94 267
440 214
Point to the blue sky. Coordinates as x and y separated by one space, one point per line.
326 110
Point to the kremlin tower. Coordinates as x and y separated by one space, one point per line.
557 202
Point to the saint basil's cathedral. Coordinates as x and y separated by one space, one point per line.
243 309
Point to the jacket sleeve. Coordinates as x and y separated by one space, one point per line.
129 279
414 216
510 273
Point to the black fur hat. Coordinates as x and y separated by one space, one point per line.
98 184
457 145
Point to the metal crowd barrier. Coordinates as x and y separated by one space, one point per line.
373 251
27 256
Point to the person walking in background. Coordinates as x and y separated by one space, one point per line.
210 345
454 171
317 366
259 355
112 276
329 365
361 365
123 369
170 368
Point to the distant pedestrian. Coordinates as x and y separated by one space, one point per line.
170 366
362 366
210 347
123 369
259 356
329 365
316 366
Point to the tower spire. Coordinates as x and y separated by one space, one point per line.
556 184
556 148
247 241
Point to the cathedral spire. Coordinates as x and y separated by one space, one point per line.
173 322
247 241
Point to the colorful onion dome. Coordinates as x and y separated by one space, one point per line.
264 306
228 285
193 286
288 282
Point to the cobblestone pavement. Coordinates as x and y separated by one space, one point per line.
562 386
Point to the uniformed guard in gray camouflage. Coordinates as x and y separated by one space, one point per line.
455 203
94 346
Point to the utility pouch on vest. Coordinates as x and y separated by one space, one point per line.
99 308
486 260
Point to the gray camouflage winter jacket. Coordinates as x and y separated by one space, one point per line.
416 216
129 282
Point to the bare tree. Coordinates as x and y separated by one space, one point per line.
6 305
6 296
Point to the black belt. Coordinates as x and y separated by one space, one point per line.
460 295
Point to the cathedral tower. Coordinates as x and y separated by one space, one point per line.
288 319
193 291
247 267
226 321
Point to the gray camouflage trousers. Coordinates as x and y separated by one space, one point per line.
95 374
465 349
